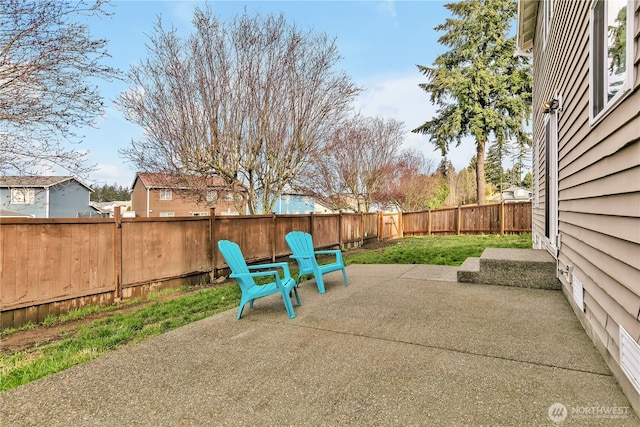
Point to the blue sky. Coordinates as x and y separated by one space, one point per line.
381 43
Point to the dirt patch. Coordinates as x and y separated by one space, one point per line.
42 335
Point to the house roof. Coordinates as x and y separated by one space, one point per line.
162 180
8 214
527 15
38 181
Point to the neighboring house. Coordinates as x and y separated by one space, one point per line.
164 195
290 203
319 208
4 213
513 194
44 197
107 209
586 165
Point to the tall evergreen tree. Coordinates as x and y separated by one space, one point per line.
482 89
494 171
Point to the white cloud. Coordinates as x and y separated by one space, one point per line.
388 7
399 97
109 174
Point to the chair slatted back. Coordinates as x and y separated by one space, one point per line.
301 245
236 262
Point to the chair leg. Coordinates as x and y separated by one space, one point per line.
287 304
344 276
295 290
240 310
320 283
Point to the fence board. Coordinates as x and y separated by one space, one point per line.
326 230
351 229
157 249
370 229
8 265
415 223
443 221
40 268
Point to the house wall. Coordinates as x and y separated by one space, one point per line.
37 209
180 204
139 199
65 200
68 199
288 204
598 185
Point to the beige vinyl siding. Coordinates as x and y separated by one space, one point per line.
598 181
637 43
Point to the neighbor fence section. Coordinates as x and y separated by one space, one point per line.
497 218
68 262
155 250
51 266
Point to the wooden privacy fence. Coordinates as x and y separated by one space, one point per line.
52 266
499 218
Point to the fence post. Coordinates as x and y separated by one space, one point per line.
273 241
311 223
361 229
458 219
379 226
429 222
117 252
401 224
340 230
212 242
501 217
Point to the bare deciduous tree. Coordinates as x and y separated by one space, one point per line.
251 100
358 163
414 186
46 60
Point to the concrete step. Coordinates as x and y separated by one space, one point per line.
469 271
527 268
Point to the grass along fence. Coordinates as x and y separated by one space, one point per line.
52 266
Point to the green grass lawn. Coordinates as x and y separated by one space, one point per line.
438 250
92 339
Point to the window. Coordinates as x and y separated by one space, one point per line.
22 196
212 196
165 194
228 197
167 214
611 46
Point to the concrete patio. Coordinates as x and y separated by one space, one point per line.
401 345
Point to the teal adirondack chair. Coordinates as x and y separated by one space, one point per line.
301 245
244 275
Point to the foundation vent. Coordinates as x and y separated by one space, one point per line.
630 358
578 292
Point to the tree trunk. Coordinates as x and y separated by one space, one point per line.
480 180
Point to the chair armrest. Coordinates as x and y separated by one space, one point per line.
279 281
276 265
336 252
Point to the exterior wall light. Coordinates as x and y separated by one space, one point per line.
551 106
